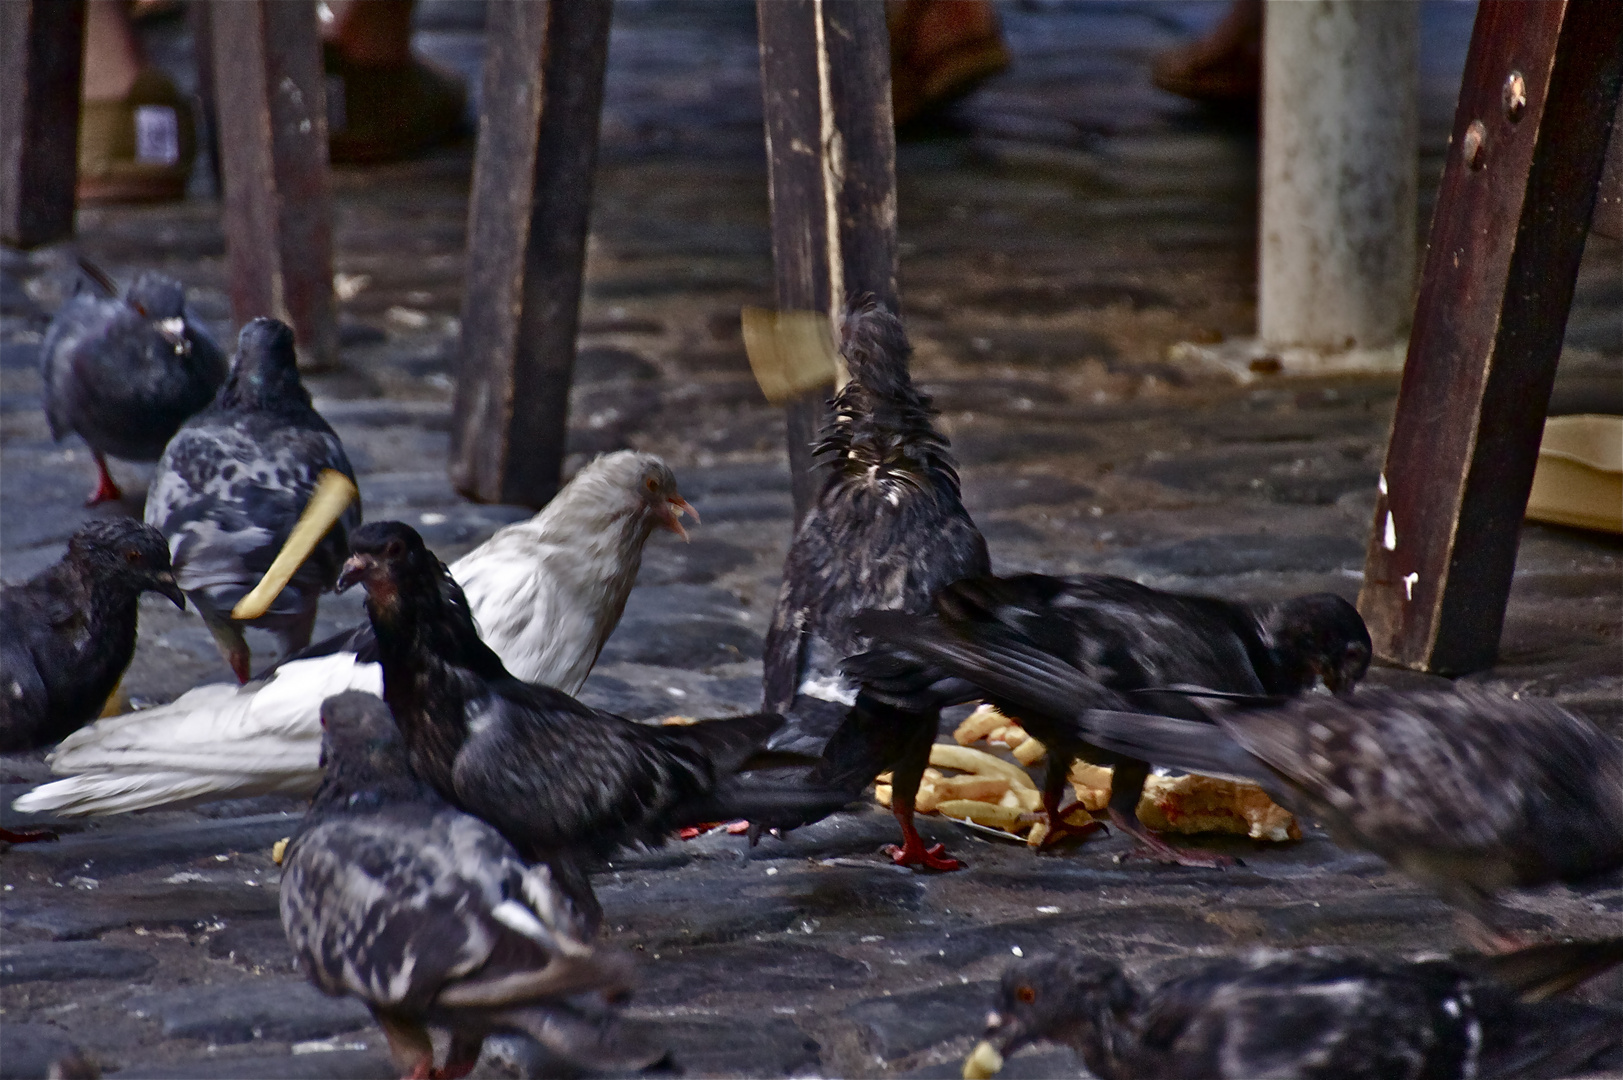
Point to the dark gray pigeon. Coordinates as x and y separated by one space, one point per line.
1469 791
431 918
888 529
233 482
1121 645
67 634
565 783
125 374
1301 1016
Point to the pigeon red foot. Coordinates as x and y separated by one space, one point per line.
1061 827
106 489
1155 849
912 851
27 836
734 828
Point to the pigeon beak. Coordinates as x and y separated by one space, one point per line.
671 514
355 570
165 584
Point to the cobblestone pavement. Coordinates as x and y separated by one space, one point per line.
1060 231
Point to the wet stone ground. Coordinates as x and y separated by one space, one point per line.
1059 231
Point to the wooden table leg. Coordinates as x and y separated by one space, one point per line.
831 153
1536 107
270 101
527 220
41 55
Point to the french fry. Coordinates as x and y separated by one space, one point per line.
927 798
967 759
881 794
791 352
1030 751
998 817
678 721
983 1063
1011 799
1030 799
978 724
882 778
334 492
979 788
1012 736
1196 804
279 850
1038 833
1091 783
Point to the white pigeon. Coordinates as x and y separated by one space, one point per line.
546 593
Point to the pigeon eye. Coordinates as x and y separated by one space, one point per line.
132 556
651 484
1025 995
394 549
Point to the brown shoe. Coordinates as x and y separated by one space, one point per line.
940 50
139 148
377 114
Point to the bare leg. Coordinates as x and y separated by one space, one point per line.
409 1045
106 489
26 836
1054 781
461 1059
298 635
1125 789
229 640
904 789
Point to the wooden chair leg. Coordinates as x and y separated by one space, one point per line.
1530 133
270 101
41 56
527 220
831 155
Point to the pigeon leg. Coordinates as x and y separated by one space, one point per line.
229 640
26 836
106 490
1054 781
462 1057
904 789
409 1045
1126 787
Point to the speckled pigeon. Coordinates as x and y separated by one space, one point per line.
545 592
232 483
1467 790
888 529
565 783
67 634
1303 1015
431 918
125 374
1120 642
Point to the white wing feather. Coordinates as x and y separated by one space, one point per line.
545 593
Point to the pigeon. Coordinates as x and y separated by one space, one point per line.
546 593
1122 646
428 916
232 483
67 634
887 530
1468 791
1295 1015
125 374
565 783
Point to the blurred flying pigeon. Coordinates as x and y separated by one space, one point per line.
888 529
1469 791
431 918
1121 644
232 483
1303 1015
67 634
565 783
545 592
125 374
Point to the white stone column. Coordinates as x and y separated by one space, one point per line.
1339 160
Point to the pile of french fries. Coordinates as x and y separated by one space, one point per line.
993 791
